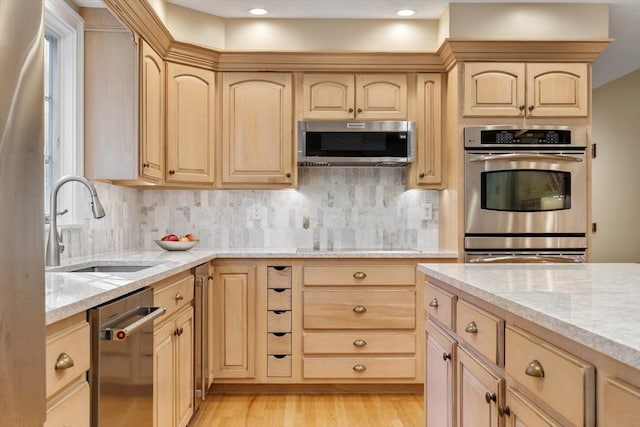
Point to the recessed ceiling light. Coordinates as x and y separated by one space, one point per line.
258 11
406 12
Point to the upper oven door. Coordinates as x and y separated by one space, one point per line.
525 192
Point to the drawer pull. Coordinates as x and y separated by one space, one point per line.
490 397
504 411
359 343
359 275
359 368
360 309
534 369
179 297
471 328
446 356
64 361
434 303
178 331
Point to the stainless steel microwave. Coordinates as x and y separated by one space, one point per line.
356 143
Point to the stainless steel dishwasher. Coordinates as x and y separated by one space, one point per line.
121 373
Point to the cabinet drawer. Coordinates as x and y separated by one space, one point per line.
278 277
74 341
278 299
439 305
173 296
73 409
359 310
278 321
360 367
360 343
565 382
401 275
279 365
483 331
279 343
621 406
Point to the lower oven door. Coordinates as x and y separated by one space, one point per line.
525 192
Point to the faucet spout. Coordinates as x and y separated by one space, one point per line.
53 240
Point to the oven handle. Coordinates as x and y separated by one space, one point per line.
525 259
526 156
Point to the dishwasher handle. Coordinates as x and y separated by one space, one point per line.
121 334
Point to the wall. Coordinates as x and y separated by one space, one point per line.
615 178
345 207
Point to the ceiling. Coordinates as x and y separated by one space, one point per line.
621 57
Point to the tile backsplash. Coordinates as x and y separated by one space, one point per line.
332 208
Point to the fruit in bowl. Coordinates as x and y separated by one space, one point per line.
173 242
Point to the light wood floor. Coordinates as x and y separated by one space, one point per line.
311 410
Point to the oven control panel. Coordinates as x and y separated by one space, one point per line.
504 136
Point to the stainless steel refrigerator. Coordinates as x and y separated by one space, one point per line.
22 311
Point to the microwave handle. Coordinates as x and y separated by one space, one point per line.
526 156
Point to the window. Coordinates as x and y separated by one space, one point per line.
63 84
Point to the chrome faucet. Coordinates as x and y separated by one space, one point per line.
54 248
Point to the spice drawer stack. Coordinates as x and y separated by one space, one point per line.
278 321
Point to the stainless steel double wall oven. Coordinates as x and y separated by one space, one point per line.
525 194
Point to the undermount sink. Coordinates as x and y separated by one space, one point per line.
96 267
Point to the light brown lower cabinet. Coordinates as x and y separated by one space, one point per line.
67 362
480 392
522 412
439 385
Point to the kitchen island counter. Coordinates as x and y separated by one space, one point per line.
594 305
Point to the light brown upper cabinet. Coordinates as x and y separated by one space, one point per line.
531 89
359 96
152 110
257 130
190 118
427 170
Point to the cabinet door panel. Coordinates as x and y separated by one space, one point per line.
475 384
440 377
184 367
190 134
621 403
381 96
328 96
257 128
163 376
557 90
494 89
523 413
151 113
233 320
427 170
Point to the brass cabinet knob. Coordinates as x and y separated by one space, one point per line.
359 309
490 397
446 356
350 110
179 331
359 368
434 303
172 172
522 107
359 343
359 275
504 410
145 165
64 361
534 369
179 297
471 328
421 175
288 175
359 110
531 107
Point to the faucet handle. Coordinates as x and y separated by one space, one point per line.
47 217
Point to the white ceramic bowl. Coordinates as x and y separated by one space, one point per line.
176 246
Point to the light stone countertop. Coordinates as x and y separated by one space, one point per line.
596 305
67 293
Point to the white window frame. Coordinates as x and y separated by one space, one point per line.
63 21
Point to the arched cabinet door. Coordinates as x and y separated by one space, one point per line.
557 90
